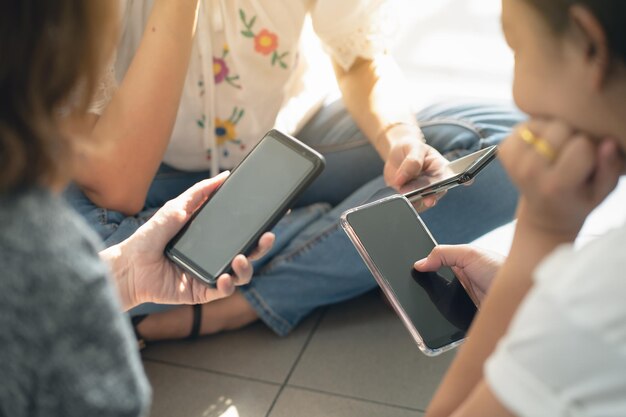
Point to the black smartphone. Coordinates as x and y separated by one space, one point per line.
456 172
256 194
390 236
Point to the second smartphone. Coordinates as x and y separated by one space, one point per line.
457 172
258 192
390 236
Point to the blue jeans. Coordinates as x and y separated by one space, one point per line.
313 263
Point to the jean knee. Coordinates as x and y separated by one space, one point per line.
452 138
457 130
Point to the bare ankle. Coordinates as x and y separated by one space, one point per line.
229 313
171 324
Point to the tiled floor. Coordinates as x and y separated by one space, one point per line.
349 360
353 359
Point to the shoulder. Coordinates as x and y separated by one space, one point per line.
588 282
49 258
356 28
565 347
60 318
40 236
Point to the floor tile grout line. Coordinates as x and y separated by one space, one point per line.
306 345
210 371
295 363
351 397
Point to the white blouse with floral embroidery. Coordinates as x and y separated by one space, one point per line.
247 67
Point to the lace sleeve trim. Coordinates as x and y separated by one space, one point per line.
104 92
373 37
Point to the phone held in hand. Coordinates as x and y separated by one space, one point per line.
390 236
256 194
457 172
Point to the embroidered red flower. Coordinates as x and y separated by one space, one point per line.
265 42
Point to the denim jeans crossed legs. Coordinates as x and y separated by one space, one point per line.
313 262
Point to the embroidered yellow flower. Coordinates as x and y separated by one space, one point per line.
225 131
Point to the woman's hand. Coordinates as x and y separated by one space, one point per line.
562 174
474 267
408 159
144 274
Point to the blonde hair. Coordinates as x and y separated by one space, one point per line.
52 54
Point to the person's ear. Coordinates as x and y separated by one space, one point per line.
594 42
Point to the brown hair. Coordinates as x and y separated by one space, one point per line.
52 54
610 13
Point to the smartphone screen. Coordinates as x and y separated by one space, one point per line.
390 237
456 172
249 202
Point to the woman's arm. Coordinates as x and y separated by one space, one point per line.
372 91
132 134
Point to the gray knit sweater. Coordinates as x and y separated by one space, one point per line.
65 348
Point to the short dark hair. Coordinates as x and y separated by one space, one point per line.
51 50
610 13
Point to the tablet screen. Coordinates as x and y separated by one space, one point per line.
393 237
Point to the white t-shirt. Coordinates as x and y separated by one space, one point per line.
248 65
565 351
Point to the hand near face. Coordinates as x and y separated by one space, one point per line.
150 277
562 174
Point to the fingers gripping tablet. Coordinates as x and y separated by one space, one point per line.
390 236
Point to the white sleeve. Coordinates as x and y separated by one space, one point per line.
107 84
562 356
350 29
104 91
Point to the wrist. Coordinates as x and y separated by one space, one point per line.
392 132
121 274
550 231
